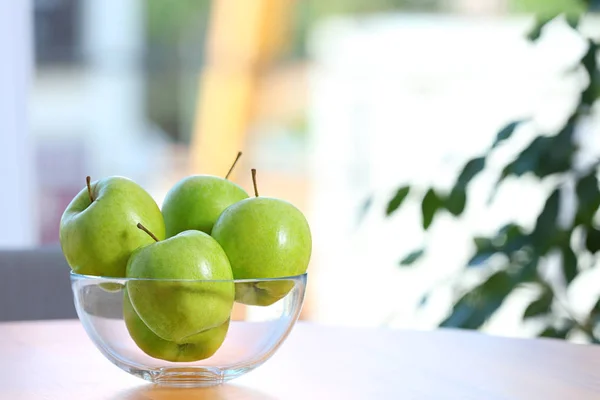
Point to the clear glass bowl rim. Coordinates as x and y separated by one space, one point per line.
107 279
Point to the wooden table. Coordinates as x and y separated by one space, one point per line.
57 361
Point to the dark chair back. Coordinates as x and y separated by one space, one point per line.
34 285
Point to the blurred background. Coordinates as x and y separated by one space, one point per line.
337 103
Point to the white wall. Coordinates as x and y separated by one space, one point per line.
17 213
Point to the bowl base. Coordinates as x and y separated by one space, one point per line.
188 376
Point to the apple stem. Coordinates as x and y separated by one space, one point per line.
142 227
254 181
89 187
239 154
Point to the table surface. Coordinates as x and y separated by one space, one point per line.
56 360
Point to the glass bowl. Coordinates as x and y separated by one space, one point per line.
262 316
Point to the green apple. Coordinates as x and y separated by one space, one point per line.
184 285
264 238
262 293
196 202
98 228
197 347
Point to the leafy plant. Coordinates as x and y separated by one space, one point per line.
554 159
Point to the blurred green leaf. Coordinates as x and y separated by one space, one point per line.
429 206
397 200
546 230
482 243
484 250
480 258
594 316
590 63
536 31
540 306
470 171
588 198
506 132
573 20
475 307
545 155
556 333
596 308
411 257
592 240
512 237
559 155
589 60
558 329
528 159
569 263
528 271
456 201
593 319
507 240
